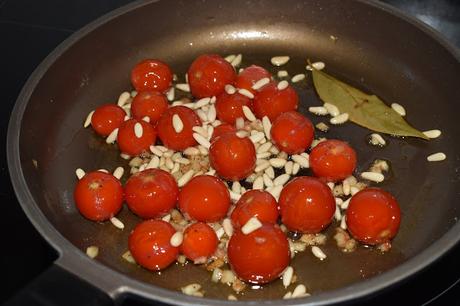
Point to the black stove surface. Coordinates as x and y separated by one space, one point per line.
30 29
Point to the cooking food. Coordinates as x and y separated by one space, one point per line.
219 187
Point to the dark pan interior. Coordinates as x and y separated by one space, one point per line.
375 51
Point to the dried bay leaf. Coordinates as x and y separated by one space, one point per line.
365 110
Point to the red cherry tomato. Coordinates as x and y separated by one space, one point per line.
149 244
230 107
271 102
250 75
234 158
200 242
292 133
151 193
333 160
306 205
98 196
131 144
151 74
373 216
167 133
222 129
208 75
204 198
107 118
149 103
255 203
261 256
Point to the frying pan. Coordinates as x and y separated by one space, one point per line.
378 50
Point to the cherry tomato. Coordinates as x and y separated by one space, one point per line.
333 160
151 193
261 256
271 102
208 75
204 198
149 244
250 75
255 203
167 133
149 103
107 118
98 196
373 216
230 107
131 144
222 129
234 158
200 242
306 205
151 74
292 133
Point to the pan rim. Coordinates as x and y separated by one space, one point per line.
71 258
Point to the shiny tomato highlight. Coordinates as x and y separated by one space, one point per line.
98 196
306 205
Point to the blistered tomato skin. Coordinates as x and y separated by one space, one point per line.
271 102
221 129
373 216
292 132
199 243
233 157
230 107
149 244
168 135
261 256
333 160
106 118
131 144
255 203
250 75
208 75
151 193
204 198
306 205
149 104
98 196
151 74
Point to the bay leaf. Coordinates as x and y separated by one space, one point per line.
363 109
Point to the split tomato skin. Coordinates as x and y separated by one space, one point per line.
199 242
151 193
151 74
333 160
149 244
132 145
260 256
255 203
168 135
107 118
271 102
221 129
250 75
373 216
149 104
292 132
233 157
230 107
208 75
306 205
98 196
204 198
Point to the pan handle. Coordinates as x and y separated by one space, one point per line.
57 286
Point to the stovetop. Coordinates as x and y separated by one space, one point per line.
30 29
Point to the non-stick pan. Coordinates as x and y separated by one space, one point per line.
377 49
